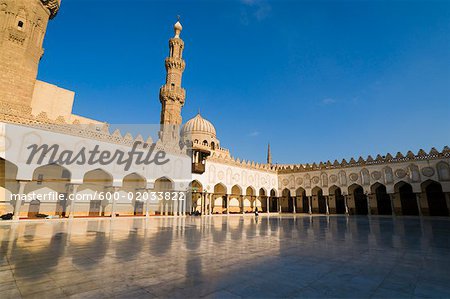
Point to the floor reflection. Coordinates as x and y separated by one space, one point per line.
219 256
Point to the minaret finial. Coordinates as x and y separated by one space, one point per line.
177 28
178 18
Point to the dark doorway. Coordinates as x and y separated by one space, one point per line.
305 201
383 201
360 201
436 200
321 200
340 201
273 204
408 200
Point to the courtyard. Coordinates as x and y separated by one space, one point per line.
226 257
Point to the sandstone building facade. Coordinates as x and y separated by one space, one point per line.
32 111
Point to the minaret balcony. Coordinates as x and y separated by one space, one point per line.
198 168
175 63
172 91
52 6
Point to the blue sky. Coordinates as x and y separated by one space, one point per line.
319 80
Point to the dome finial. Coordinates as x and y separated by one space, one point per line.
198 111
177 27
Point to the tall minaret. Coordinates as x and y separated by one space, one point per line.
171 95
269 155
23 24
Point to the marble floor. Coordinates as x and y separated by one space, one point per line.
226 257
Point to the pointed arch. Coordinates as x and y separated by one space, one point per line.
337 200
437 205
318 201
236 190
358 199
164 184
408 199
384 205
302 201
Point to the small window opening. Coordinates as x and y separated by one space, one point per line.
20 24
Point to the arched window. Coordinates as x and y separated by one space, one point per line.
205 143
213 145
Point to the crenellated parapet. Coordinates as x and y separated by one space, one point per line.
224 157
52 6
21 115
379 159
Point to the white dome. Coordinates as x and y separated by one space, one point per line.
199 125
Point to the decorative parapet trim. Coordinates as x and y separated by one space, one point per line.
388 158
227 159
21 115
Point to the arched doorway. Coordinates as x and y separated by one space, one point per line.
319 204
339 200
263 199
133 183
286 202
384 206
196 191
408 199
50 178
250 201
220 199
437 206
273 201
302 201
97 180
235 199
163 186
359 199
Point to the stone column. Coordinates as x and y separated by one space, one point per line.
346 204
391 200
279 205
243 207
310 205
268 207
175 204
73 191
327 206
294 203
113 207
369 212
181 205
204 207
18 204
147 204
210 206
228 203
419 206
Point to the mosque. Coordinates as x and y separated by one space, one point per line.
214 182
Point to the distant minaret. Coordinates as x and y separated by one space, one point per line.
269 155
171 95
